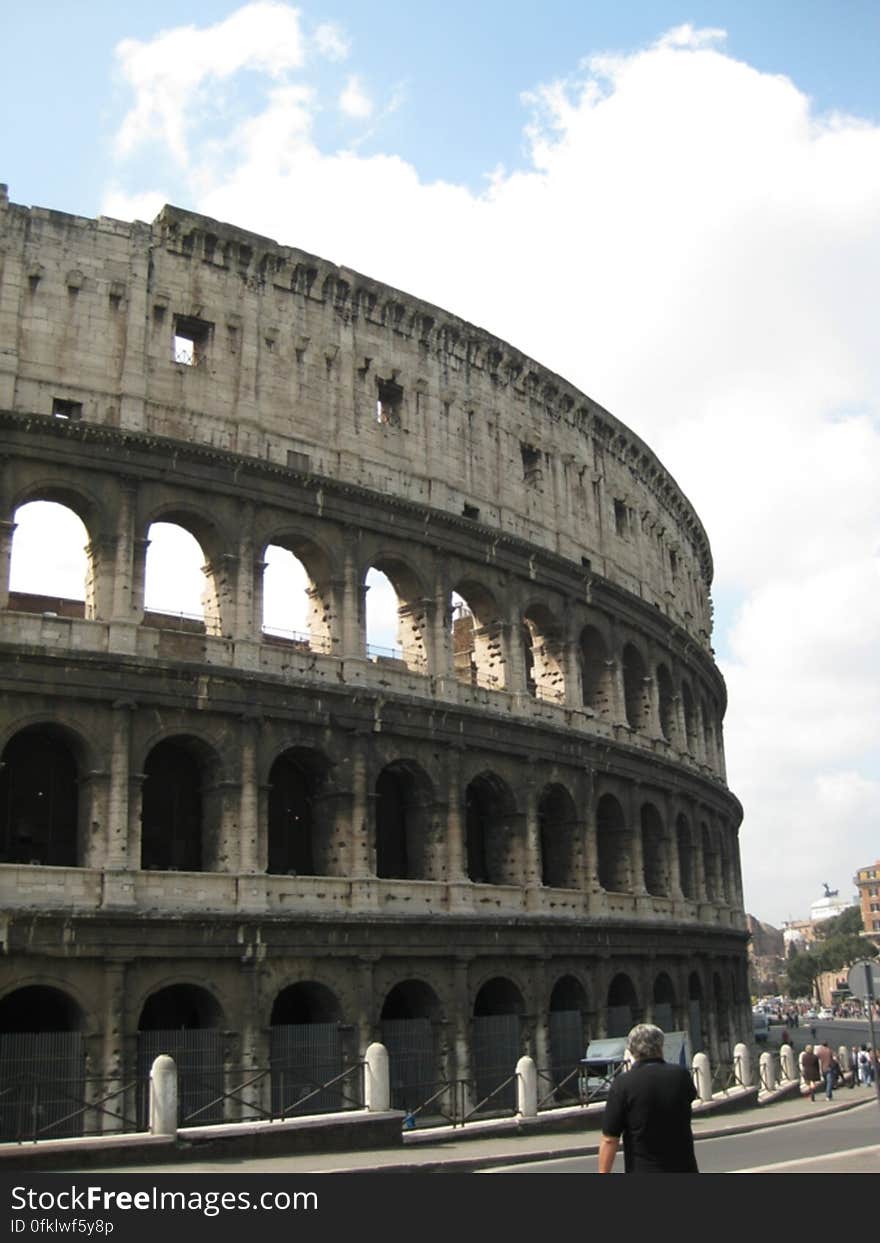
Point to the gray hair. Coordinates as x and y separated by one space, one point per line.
645 1040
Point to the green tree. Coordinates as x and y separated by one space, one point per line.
801 972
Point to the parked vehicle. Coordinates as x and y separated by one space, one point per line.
760 1026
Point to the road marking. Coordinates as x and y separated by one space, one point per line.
804 1162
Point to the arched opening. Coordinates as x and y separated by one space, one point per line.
477 649
695 1012
613 846
542 646
623 1006
410 1031
568 1039
42 1065
708 734
402 817
287 604
664 1002
497 1035
306 1052
297 844
597 676
177 582
685 856
183 1021
50 564
654 855
178 828
39 799
635 687
666 702
493 854
557 826
396 618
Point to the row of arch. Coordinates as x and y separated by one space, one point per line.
485 641
310 1039
538 836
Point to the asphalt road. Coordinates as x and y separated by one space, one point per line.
836 1144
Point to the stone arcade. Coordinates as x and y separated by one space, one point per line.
259 852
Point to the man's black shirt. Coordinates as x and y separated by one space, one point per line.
650 1107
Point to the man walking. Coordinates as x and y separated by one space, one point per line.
827 1064
649 1108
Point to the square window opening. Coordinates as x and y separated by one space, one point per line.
531 464
389 403
192 338
64 409
620 517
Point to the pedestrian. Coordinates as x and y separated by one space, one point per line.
829 1067
811 1070
649 1108
864 1064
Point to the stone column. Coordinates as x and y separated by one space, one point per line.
252 843
116 846
441 648
364 988
101 553
533 866
637 862
675 890
246 623
462 1037
456 861
127 608
138 576
362 857
591 837
7 530
354 631
112 1065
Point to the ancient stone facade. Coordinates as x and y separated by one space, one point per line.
514 827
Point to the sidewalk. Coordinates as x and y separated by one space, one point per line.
463 1150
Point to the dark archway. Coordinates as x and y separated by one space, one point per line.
613 846
42 1064
39 799
664 1002
623 1006
402 819
557 825
685 856
410 1030
173 822
497 1043
306 1051
568 1037
295 782
492 856
184 1021
635 687
654 855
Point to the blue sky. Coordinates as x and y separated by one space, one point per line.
676 208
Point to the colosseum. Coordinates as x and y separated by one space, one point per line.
261 847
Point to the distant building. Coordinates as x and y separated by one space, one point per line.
867 882
766 957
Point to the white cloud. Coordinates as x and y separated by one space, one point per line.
700 252
331 42
354 102
169 72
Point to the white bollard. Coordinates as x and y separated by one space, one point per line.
790 1068
163 1096
767 1071
703 1076
742 1065
526 1088
377 1078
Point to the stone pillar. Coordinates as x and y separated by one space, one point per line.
637 862
135 814
362 857
253 846
138 576
462 1036
591 837
441 646
675 890
532 869
101 554
456 861
246 623
112 1062
127 609
571 672
354 632
116 846
7 530
364 992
